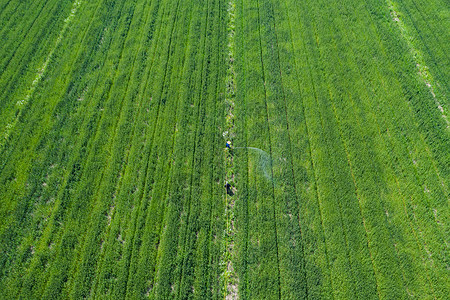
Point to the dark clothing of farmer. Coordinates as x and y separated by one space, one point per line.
229 189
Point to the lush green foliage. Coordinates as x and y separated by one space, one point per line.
113 121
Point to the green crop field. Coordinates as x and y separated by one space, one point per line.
212 149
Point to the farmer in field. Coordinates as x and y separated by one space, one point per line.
229 188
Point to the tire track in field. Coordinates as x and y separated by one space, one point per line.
108 97
421 244
97 81
99 122
399 190
344 231
420 135
433 33
327 154
162 90
270 151
129 253
168 180
40 12
150 146
178 114
244 131
120 113
217 142
290 152
7 78
111 213
134 221
21 56
356 193
5 5
21 104
80 47
133 236
351 168
172 160
95 139
352 174
77 55
115 129
307 128
316 40
364 222
125 167
193 159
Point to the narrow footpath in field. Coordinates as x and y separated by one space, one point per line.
418 58
21 104
229 276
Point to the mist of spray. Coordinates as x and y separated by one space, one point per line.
263 161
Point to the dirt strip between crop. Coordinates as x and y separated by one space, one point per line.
422 68
229 276
40 73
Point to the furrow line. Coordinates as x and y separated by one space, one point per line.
244 215
150 145
6 5
308 130
97 195
168 180
72 68
141 95
426 77
194 149
25 37
290 153
270 151
124 168
216 142
420 134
